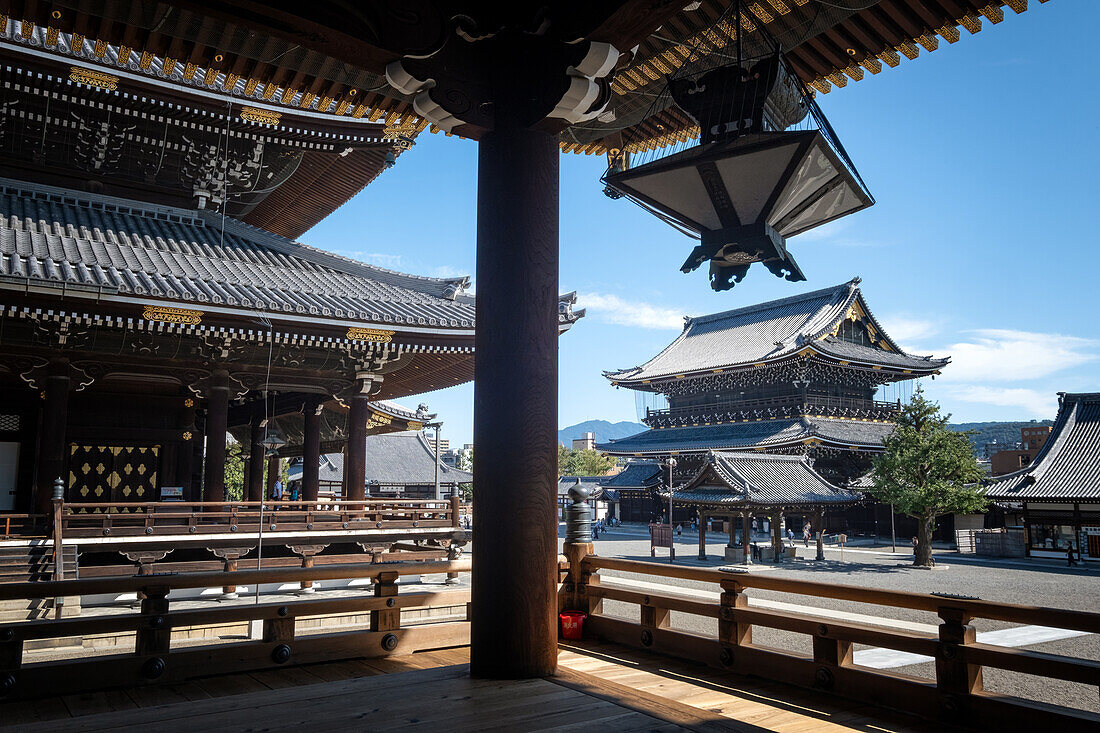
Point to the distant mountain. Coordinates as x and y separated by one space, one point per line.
603 429
1003 433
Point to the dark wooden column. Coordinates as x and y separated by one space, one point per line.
514 628
746 536
217 415
51 452
311 449
255 477
777 535
355 463
186 453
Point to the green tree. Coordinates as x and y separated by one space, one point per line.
582 462
927 471
234 471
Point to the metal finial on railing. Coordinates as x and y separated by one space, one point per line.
578 515
58 489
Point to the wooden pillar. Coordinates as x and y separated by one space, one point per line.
186 453
311 449
52 448
355 462
255 475
217 415
956 680
746 536
732 528
777 536
274 468
819 533
702 535
514 627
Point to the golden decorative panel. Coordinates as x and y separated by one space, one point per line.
93 78
121 473
417 426
260 116
376 335
172 315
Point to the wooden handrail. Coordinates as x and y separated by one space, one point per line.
955 696
173 581
154 659
975 608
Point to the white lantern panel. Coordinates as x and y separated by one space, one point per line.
838 202
815 170
751 178
679 190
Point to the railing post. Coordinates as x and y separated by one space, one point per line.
11 659
577 545
955 678
386 619
731 632
829 654
156 638
58 541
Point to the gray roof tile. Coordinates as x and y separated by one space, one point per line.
393 459
138 249
759 480
1068 465
744 435
769 331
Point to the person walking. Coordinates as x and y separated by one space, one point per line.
1070 561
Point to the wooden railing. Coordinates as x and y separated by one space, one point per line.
24 525
954 696
174 518
155 659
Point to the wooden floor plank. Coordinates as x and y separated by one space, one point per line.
598 686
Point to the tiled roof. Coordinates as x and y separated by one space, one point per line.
769 331
69 238
636 475
1068 465
393 459
745 435
750 479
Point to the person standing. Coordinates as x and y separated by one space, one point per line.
277 492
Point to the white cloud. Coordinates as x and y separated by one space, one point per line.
1003 355
375 258
447 271
834 234
613 309
1035 403
909 330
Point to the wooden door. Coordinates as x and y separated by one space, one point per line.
9 473
110 474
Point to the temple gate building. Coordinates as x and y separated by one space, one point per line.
796 376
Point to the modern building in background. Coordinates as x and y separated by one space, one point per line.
587 441
1032 440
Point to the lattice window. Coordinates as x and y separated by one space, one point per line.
9 423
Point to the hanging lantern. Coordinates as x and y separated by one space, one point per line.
750 183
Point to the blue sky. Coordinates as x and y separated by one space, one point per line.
982 156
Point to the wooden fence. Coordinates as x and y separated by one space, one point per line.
156 660
955 695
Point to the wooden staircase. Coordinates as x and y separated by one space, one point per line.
33 563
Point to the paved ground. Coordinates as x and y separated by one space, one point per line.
1037 583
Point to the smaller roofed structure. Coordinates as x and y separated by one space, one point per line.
760 482
397 463
1057 497
1068 466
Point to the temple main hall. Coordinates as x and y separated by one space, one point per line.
797 376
